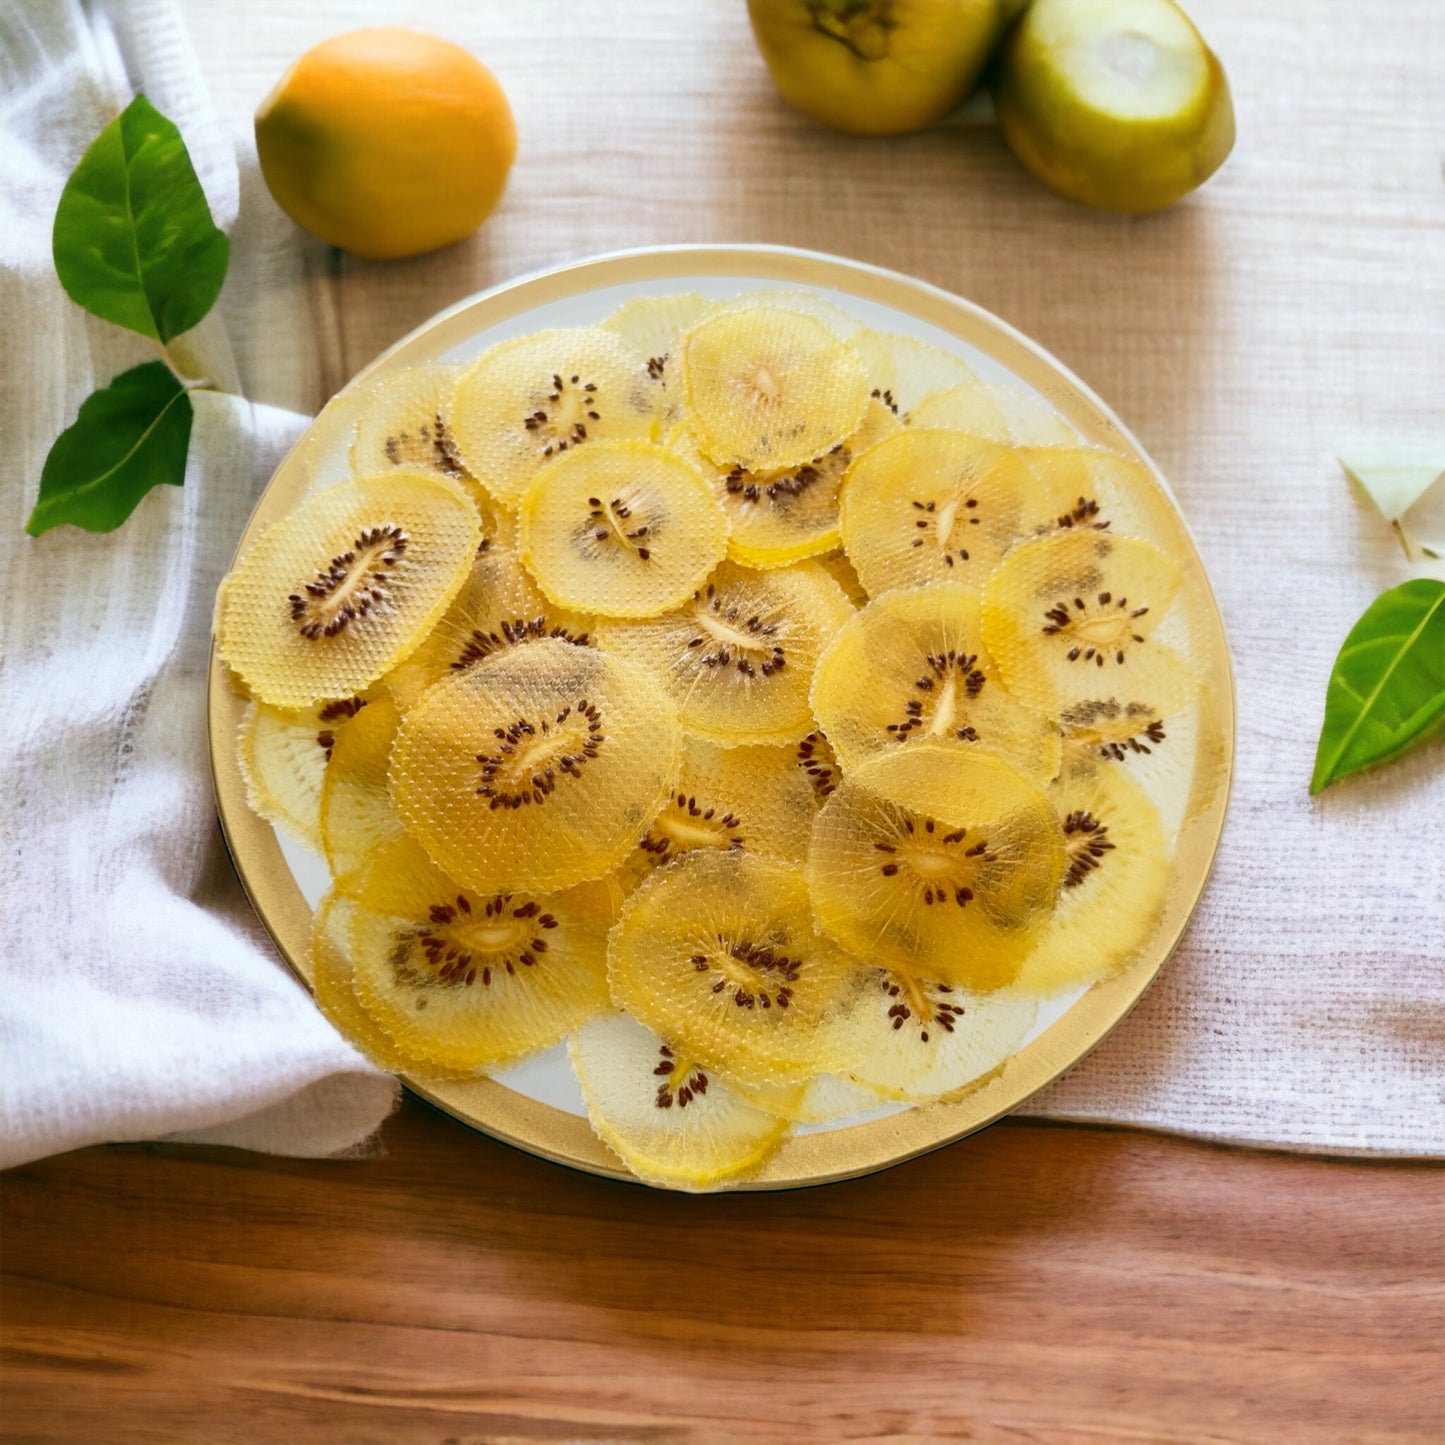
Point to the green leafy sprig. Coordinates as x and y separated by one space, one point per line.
134 244
1386 692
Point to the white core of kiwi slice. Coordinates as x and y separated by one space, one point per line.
672 1122
738 656
537 768
334 595
625 529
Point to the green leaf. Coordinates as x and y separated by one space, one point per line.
134 242
128 438
1387 690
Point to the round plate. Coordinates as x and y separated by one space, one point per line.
532 1106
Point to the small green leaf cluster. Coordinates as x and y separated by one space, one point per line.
134 244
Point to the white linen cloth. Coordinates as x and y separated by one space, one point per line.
1306 1007
141 996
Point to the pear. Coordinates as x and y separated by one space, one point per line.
876 67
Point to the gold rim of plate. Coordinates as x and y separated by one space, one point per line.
838 1153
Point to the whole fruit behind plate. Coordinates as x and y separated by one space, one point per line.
386 142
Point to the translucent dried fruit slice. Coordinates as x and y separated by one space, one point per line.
1177 760
652 325
810 303
918 1039
403 420
534 397
786 515
1031 421
823 1099
937 863
498 607
840 569
770 387
902 370
628 529
470 981
819 763
936 506
368 851
539 767
1068 619
334 595
1115 879
738 657
283 760
749 799
1102 491
911 666
969 406
719 951
333 982
672 1122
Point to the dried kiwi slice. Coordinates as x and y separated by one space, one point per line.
935 862
999 411
926 505
769 386
718 950
671 1121
535 397
782 516
539 767
1068 619
283 760
917 1039
737 658
628 529
499 606
749 799
902 370
652 326
911 666
334 595
333 981
1100 490
1115 877
403 420
819 763
463 980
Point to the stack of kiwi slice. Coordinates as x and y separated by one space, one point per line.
770 708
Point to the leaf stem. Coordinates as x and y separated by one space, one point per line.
188 383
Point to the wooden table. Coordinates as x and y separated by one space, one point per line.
1034 1284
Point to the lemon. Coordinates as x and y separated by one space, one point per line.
875 67
1116 103
386 142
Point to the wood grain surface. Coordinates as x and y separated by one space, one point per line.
1037 1283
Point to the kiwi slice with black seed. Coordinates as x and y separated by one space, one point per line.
499 606
1116 874
469 981
337 593
653 326
671 1121
770 386
628 529
916 1039
283 756
927 505
911 666
752 799
819 764
539 767
718 950
902 371
1069 619
935 862
536 397
738 656
403 420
